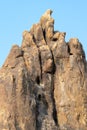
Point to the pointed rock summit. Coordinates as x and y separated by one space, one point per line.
43 83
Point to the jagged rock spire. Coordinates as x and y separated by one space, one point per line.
43 83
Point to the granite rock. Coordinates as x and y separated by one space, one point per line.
43 83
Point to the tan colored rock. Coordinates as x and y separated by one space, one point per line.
27 40
59 36
59 46
46 59
38 34
49 29
14 57
31 58
76 47
69 84
43 83
47 23
45 18
15 100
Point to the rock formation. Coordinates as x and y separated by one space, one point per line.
43 83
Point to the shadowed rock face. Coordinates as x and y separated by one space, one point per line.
43 83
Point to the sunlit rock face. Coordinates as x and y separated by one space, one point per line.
43 83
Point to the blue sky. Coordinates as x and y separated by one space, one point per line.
19 15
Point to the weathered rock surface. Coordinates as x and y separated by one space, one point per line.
43 83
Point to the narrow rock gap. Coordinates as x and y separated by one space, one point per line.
69 50
34 39
20 55
54 66
54 105
38 80
15 107
40 61
55 39
44 34
52 92
14 95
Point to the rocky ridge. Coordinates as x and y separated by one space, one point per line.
43 83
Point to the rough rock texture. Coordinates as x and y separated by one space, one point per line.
43 83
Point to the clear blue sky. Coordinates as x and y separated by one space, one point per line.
19 15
